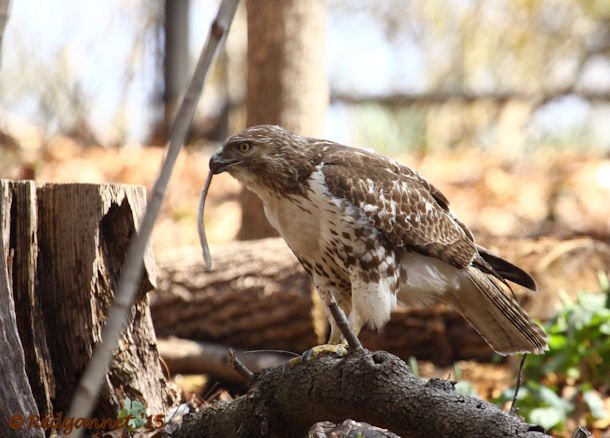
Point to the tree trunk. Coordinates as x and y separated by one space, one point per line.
67 244
176 62
288 400
258 296
287 82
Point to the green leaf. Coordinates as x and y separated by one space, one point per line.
414 366
139 420
559 324
605 328
551 399
557 342
579 341
591 301
127 404
137 406
466 388
137 410
573 372
595 403
547 417
579 318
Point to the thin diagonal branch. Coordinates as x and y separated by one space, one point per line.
513 406
4 4
239 366
89 385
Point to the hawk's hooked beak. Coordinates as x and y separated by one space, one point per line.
219 164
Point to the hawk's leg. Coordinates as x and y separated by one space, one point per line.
335 332
339 316
342 300
336 335
337 345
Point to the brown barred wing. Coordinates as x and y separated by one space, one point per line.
408 210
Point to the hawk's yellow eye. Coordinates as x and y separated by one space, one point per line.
244 147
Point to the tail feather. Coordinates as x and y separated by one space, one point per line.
506 269
497 318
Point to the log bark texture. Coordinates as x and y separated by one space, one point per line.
375 387
255 296
258 296
67 243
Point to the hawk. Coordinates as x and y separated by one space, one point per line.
371 232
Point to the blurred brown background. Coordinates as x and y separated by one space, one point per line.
503 105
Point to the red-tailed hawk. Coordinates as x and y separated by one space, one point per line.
370 231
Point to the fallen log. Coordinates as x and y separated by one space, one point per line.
183 356
258 296
375 387
255 296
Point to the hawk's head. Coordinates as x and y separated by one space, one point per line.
264 156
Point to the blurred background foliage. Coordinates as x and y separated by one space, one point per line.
566 386
511 74
404 75
497 102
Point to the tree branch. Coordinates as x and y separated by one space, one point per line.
375 387
89 385
436 98
239 366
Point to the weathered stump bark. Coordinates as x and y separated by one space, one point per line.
258 296
67 244
16 397
375 387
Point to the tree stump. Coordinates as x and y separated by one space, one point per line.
16 397
65 249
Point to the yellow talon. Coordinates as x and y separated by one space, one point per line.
318 351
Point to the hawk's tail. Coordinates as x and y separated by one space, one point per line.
498 318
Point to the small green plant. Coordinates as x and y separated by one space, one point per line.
569 378
136 412
414 366
463 386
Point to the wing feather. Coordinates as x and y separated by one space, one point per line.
408 210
